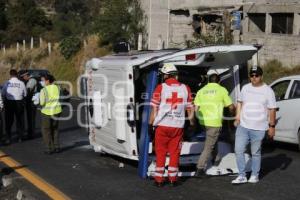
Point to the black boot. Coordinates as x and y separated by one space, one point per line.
158 184
200 173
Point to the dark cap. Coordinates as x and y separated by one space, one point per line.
23 73
256 70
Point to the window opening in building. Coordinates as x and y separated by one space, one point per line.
257 22
282 23
180 12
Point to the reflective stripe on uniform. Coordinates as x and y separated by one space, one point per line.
173 174
158 174
172 168
159 168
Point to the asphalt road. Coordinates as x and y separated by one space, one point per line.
82 174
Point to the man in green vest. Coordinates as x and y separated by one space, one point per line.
51 109
209 105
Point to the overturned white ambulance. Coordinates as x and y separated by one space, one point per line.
117 91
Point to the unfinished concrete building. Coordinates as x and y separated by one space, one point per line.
274 24
170 23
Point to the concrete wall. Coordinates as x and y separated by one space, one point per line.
180 31
283 47
157 22
286 49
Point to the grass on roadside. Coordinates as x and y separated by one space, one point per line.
274 69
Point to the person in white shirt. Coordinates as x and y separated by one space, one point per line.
13 93
256 114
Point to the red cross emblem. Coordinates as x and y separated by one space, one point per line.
174 101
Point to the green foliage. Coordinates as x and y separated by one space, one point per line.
120 19
22 20
3 18
74 17
209 39
70 46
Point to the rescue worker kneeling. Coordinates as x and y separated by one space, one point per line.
51 109
169 102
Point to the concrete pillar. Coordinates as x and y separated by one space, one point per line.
140 42
236 36
296 25
85 44
245 22
31 43
41 42
24 45
268 23
49 48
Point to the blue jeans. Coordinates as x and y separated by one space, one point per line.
242 138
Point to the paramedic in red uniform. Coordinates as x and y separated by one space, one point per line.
169 102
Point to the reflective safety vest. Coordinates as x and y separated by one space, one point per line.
49 100
171 111
211 100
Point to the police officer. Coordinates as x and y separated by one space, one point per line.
169 102
14 92
31 86
209 105
51 109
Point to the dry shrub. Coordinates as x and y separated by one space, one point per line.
274 69
62 69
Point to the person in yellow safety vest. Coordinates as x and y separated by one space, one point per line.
51 109
210 102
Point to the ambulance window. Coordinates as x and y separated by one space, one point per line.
280 89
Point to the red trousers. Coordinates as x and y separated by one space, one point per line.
167 140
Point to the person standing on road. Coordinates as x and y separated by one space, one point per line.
51 110
169 102
209 105
31 86
13 93
256 114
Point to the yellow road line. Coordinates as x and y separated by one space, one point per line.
33 178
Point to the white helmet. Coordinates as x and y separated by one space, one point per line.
169 68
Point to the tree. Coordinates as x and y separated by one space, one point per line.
25 20
74 17
120 19
3 18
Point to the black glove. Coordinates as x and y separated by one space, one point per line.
151 131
